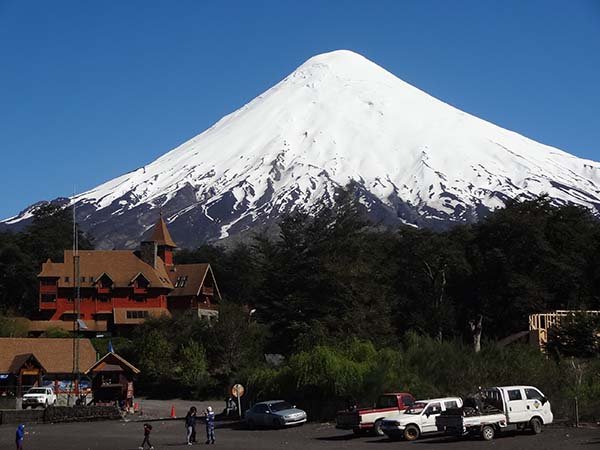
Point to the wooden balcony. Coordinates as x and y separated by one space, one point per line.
208 307
207 290
48 289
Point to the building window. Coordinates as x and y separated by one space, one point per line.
66 279
137 314
48 282
181 281
103 298
70 316
46 298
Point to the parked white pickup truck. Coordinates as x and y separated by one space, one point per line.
495 409
418 419
39 396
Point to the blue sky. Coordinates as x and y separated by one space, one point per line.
91 90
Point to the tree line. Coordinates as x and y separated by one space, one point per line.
345 307
335 275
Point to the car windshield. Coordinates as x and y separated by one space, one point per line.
280 406
37 391
416 408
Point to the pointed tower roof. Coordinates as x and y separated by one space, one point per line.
161 234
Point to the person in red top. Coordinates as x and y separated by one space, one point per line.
147 430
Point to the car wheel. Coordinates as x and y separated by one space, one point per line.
377 428
536 425
487 433
411 433
276 423
251 424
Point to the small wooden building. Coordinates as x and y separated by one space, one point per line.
112 380
29 362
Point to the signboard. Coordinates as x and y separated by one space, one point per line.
237 390
130 389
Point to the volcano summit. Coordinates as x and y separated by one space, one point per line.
338 118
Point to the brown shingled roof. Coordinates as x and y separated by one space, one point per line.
120 265
196 274
161 234
104 363
55 355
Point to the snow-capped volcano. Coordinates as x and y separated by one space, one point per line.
337 118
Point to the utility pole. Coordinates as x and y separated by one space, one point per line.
76 307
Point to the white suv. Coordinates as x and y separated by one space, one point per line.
39 396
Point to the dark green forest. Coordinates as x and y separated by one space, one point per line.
355 308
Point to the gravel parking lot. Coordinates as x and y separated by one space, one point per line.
171 435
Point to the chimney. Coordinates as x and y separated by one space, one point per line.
148 252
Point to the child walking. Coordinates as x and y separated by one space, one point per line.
210 425
20 436
147 430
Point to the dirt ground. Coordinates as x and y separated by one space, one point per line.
170 434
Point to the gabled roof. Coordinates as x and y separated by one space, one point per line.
196 274
121 266
19 360
103 274
54 354
110 360
161 234
137 275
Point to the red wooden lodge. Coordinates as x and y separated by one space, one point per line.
120 288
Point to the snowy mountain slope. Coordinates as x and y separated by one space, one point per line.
337 118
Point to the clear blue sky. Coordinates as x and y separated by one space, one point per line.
90 90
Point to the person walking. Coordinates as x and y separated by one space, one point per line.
190 425
209 417
147 430
20 436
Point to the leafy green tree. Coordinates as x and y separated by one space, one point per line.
577 335
12 327
192 370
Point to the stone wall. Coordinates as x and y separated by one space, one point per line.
60 414
9 403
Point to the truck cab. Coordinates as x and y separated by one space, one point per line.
361 420
523 403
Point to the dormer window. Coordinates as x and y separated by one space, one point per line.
104 282
140 281
181 281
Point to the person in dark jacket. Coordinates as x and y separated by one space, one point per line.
190 425
209 418
20 436
147 430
